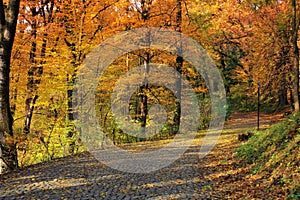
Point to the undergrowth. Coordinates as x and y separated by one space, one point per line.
274 155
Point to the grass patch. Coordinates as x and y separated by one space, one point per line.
274 156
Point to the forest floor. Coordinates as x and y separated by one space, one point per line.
217 176
224 175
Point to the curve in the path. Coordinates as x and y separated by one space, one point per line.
83 177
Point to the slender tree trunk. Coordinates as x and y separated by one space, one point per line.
179 64
14 95
31 86
295 30
34 78
8 23
291 102
283 99
144 98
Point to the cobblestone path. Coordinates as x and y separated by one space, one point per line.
83 177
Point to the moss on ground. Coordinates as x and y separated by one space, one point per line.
274 155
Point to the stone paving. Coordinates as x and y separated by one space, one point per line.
83 177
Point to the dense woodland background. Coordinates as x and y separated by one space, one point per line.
251 42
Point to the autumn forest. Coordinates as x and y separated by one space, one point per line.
253 43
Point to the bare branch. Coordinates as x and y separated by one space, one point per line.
104 8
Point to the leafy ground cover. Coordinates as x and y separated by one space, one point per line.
265 167
275 158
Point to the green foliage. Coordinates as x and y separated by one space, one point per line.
205 108
275 154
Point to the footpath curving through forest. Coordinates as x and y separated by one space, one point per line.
217 176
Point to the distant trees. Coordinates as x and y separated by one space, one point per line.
83 23
253 41
59 34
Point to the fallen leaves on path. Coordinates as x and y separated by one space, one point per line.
217 176
224 176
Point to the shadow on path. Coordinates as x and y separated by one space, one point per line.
83 177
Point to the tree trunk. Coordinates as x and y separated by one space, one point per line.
31 86
8 23
283 98
144 97
8 153
77 59
70 114
295 30
179 64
